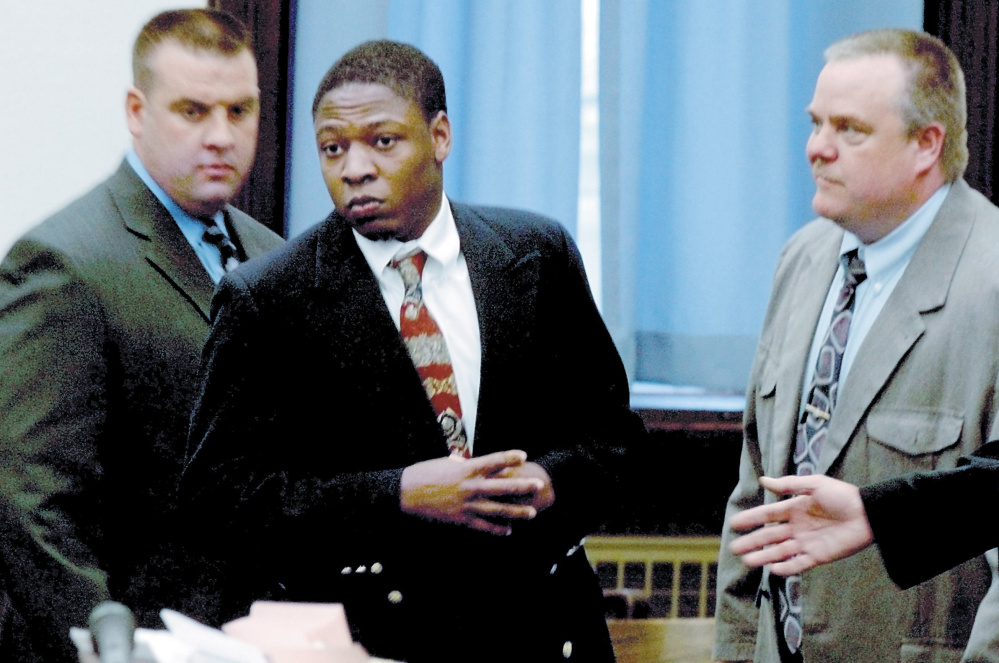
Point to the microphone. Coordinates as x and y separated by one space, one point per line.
112 628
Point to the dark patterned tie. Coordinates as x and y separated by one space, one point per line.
227 250
429 353
811 437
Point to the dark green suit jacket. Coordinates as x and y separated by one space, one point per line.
103 314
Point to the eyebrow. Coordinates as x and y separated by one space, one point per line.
181 103
330 124
249 102
842 118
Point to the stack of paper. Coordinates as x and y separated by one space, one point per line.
273 632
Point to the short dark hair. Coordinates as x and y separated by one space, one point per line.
934 90
203 29
404 69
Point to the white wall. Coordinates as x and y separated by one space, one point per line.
66 67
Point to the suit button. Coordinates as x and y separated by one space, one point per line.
395 596
376 568
567 649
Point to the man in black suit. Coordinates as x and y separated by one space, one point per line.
828 520
443 505
103 313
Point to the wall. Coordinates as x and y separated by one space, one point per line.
67 66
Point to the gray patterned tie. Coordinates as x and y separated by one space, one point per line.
811 437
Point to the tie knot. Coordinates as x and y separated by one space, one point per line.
410 267
853 267
227 250
214 236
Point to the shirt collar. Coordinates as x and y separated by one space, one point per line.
187 222
439 241
898 246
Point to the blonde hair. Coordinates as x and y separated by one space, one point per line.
202 29
934 89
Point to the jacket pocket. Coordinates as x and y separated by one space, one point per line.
921 653
759 424
910 440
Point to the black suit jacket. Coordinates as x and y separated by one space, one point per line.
311 409
103 314
928 522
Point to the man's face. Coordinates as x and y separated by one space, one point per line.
864 164
382 161
195 130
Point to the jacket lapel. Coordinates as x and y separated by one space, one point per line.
505 289
808 295
239 225
350 290
165 246
355 326
922 289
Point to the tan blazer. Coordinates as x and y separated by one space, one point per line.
921 392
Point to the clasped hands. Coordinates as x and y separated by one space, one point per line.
486 493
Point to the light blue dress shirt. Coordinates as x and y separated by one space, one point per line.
885 261
193 228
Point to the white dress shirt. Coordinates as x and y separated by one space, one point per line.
447 294
885 261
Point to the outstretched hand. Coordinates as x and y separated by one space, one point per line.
486 493
825 521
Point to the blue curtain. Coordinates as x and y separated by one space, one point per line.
703 170
703 175
512 70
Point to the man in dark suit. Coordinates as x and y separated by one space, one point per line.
103 313
436 482
879 356
828 519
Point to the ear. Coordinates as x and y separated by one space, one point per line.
135 106
440 132
929 143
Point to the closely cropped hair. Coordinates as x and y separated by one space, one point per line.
201 29
404 69
934 89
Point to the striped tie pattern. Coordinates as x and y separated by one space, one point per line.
227 250
429 353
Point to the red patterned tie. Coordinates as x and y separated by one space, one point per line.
429 353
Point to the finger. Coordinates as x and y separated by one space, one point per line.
494 462
495 487
485 526
781 552
503 510
791 485
761 515
766 536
